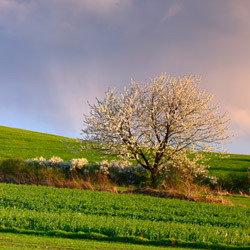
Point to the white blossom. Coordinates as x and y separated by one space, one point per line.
55 160
78 163
41 161
155 121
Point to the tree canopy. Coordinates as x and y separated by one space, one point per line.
153 122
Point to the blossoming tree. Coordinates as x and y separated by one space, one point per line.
156 121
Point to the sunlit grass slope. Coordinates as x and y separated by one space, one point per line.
19 143
234 163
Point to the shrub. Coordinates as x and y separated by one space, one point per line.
188 169
37 161
120 172
78 163
11 166
124 173
235 182
117 171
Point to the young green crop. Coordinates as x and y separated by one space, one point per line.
51 209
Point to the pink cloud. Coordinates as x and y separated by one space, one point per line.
174 9
12 11
104 9
240 121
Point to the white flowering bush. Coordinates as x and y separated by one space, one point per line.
41 161
77 164
103 167
118 171
98 167
187 168
124 173
55 160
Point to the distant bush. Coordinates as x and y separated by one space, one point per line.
40 171
116 171
77 163
53 162
187 179
182 176
11 166
186 169
124 173
235 182
119 172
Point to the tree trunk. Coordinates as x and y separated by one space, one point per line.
154 173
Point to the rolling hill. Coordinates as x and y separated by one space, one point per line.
19 143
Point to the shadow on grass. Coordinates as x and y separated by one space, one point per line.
222 169
126 239
236 159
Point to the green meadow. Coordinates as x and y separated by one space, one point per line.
11 241
19 143
33 217
233 163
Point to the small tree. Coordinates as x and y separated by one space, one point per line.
154 122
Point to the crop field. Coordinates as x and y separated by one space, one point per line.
74 213
19 143
66 218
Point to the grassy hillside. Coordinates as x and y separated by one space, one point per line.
234 163
19 143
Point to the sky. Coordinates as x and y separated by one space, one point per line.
55 55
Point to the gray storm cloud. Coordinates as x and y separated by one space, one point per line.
57 54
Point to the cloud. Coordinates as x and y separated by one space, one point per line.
80 9
62 53
59 16
101 7
173 10
15 11
240 121
241 10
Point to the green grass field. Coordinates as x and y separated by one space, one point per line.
19 143
34 217
147 220
233 164
239 200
